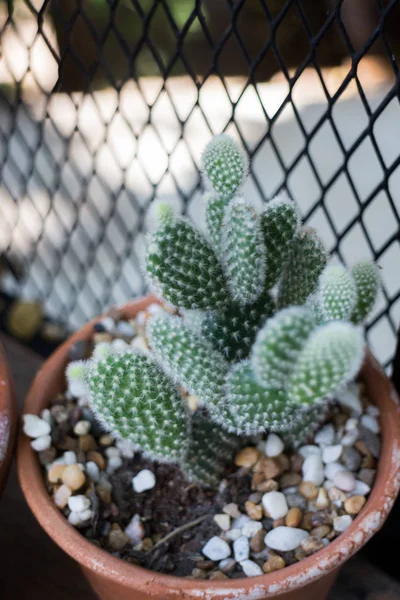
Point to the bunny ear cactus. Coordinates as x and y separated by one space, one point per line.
337 294
367 282
225 166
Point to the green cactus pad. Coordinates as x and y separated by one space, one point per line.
243 252
278 345
225 166
279 222
234 330
337 293
305 262
133 398
215 211
331 357
367 280
189 359
183 268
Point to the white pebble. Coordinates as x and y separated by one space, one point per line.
232 510
370 423
241 548
313 469
233 534
361 489
41 443
350 438
139 343
108 323
240 521
371 410
223 521
155 309
332 453
143 481
275 504
46 416
120 346
77 388
141 318
112 451
325 436
285 539
351 424
251 528
273 446
126 448
114 463
34 426
332 468
79 518
135 530
78 503
306 451
216 549
250 568
328 484
340 524
93 471
126 329
350 398
344 480
69 458
82 427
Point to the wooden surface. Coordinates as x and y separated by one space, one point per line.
32 567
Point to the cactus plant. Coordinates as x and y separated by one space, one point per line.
252 367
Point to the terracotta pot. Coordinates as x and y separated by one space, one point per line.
8 419
113 578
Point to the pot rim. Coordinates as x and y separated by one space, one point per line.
371 518
8 408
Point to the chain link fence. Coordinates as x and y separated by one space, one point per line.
106 105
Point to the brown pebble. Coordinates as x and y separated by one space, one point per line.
104 493
217 575
73 477
268 486
254 511
117 538
278 522
284 462
337 496
106 440
321 531
306 522
229 566
289 480
59 413
147 544
293 518
321 517
340 420
247 457
97 458
55 472
103 336
205 565
296 463
361 446
308 490
257 541
256 480
87 443
322 502
199 574
299 554
354 504
367 475
68 443
272 468
368 462
46 457
312 544
275 563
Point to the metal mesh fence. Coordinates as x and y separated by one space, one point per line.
105 105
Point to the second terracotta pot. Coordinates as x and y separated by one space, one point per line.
112 578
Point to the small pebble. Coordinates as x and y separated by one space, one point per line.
271 467
367 476
337 496
232 510
285 538
217 576
240 521
351 459
311 545
103 490
350 438
332 453
321 531
73 477
80 518
289 480
296 501
139 343
371 441
332 468
233 534
113 464
344 480
78 503
93 471
257 541
87 443
361 489
106 440
254 511
97 458
61 496
126 329
275 563
293 518
41 443
135 530
349 398
250 568
35 427
117 538
250 529
275 505
247 457
227 565
313 469
82 427
340 524
274 445
325 436
126 448
223 521
70 458
306 451
370 423
241 548
308 490
55 472
216 549
268 486
322 501
143 481
354 504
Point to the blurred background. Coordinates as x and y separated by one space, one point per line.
107 104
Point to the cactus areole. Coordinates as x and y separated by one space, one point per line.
264 334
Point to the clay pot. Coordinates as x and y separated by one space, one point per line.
8 419
113 578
